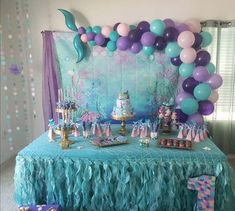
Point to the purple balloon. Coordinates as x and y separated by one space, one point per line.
115 26
123 43
143 26
160 43
90 36
181 96
148 39
176 61
206 107
99 39
197 118
182 27
105 42
182 117
136 47
189 84
171 34
134 35
81 30
201 73
169 23
203 58
198 40
215 81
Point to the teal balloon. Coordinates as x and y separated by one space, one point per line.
69 20
172 49
202 91
211 68
206 39
92 43
80 48
132 27
96 29
189 106
186 70
113 36
88 29
111 45
157 27
148 50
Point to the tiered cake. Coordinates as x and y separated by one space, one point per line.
123 106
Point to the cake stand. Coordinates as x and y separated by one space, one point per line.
65 142
122 130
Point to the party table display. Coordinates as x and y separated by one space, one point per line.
122 177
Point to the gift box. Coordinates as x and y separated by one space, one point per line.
43 207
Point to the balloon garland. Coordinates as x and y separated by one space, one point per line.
182 43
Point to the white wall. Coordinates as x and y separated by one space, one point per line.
45 16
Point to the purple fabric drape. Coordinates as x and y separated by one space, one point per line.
50 79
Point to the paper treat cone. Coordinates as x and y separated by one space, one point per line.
134 132
51 134
142 131
189 135
205 133
94 128
185 131
98 130
180 134
138 131
108 131
193 132
197 137
201 135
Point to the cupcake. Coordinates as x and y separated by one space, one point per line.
175 143
169 142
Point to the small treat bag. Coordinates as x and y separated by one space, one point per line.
76 132
197 137
185 131
96 129
201 134
154 129
205 132
148 126
189 135
108 131
193 132
180 134
143 130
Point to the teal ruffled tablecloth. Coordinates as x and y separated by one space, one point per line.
125 177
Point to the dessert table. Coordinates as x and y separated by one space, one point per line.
124 177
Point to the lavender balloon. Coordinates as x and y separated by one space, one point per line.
215 81
169 22
201 73
148 39
182 27
136 47
189 84
123 43
176 61
143 26
203 58
81 30
99 39
90 36
181 96
206 107
197 118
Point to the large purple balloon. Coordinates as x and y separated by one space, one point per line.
115 26
201 73
206 107
215 81
182 117
176 61
171 34
189 84
182 27
197 118
203 58
181 96
143 26
90 36
134 35
99 39
136 47
123 43
148 39
198 40
160 43
169 22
